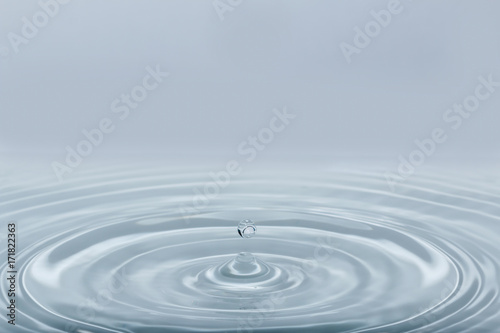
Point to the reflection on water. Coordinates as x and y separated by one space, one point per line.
335 252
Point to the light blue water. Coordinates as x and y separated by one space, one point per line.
128 251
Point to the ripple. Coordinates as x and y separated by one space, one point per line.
129 252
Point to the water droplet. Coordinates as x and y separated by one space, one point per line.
246 228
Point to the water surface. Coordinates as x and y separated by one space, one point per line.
136 251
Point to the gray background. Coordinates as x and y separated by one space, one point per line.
226 77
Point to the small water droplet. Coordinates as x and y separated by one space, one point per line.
246 228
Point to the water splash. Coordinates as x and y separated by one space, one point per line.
246 228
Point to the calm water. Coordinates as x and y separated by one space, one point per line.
333 252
